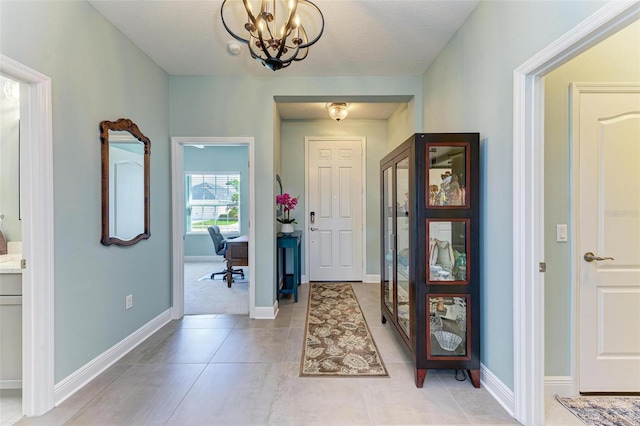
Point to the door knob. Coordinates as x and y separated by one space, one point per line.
590 257
314 229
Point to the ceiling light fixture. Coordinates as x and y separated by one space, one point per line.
275 35
338 110
12 90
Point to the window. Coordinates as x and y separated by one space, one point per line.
213 199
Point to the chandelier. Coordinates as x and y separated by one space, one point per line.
275 35
338 110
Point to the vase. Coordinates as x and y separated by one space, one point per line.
286 228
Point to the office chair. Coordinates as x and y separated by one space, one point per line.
220 246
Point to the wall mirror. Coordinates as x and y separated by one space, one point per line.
125 183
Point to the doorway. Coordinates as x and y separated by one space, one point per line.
180 233
36 195
528 217
562 186
10 252
216 202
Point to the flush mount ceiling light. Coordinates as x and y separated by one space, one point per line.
275 34
338 110
11 90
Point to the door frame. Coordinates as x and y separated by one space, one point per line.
528 200
178 214
36 164
363 178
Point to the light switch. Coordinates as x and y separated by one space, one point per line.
561 233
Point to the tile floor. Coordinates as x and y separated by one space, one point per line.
231 370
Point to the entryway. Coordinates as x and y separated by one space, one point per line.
217 197
36 194
213 190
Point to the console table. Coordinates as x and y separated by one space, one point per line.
290 282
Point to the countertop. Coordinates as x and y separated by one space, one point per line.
10 262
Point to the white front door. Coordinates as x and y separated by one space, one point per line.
335 209
606 125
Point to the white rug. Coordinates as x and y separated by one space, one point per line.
202 295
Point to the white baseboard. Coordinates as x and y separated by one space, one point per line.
79 378
203 259
559 385
372 278
10 384
267 312
369 278
497 389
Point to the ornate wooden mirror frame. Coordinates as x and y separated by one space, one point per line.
108 206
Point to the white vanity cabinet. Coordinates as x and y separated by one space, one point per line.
10 321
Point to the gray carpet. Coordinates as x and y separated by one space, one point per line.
202 295
604 411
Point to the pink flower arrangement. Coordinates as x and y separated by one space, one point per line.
288 203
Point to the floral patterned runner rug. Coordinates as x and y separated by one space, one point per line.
604 411
338 342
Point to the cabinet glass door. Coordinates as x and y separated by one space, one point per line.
402 243
448 327
389 244
448 251
447 183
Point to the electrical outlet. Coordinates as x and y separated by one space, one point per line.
128 302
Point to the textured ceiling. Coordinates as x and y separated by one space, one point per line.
361 37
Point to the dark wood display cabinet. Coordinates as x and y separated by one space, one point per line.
430 269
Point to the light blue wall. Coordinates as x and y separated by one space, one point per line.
400 125
96 74
244 106
616 59
293 171
468 88
218 159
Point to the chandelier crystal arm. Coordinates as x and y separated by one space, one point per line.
286 29
226 27
304 45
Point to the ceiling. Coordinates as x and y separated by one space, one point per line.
361 38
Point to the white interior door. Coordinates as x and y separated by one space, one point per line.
606 124
335 209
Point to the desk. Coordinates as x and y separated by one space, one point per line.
290 282
237 254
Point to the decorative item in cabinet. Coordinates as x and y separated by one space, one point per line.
430 218
447 181
448 252
448 327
